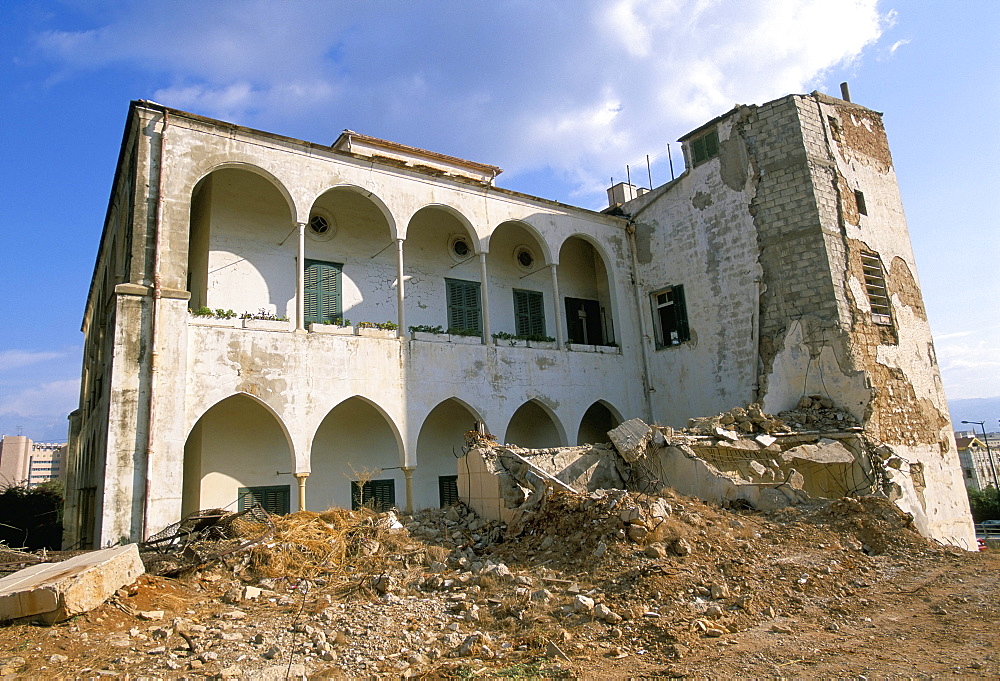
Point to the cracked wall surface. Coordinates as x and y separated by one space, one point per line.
807 184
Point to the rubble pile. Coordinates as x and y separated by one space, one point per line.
815 412
812 413
603 576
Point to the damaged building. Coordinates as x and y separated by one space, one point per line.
315 325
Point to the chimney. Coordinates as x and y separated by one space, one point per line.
623 192
845 92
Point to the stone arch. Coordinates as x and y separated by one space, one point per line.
535 426
238 442
239 254
357 251
543 245
441 437
356 439
599 418
455 213
374 198
433 265
587 288
522 298
200 175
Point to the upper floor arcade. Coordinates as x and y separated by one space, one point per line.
242 220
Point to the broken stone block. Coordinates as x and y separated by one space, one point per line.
631 439
655 551
766 440
758 468
583 603
53 592
724 434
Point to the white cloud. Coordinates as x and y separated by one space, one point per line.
15 359
898 44
48 400
580 89
970 362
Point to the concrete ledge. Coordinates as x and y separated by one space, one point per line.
52 592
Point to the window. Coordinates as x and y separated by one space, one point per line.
705 147
524 258
448 489
670 317
322 291
464 311
859 199
584 321
274 499
878 295
379 495
529 313
459 248
322 226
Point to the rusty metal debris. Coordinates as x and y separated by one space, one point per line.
203 538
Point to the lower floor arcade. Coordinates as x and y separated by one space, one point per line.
240 451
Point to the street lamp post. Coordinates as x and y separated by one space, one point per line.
989 452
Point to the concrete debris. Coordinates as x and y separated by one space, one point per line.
52 592
743 456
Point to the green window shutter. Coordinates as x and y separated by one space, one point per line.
448 490
464 310
379 495
711 144
322 291
529 313
680 312
275 499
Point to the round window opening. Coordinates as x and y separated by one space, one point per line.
319 225
524 257
460 247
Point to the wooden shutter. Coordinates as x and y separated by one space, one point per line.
529 313
464 311
448 489
378 494
322 291
680 314
275 499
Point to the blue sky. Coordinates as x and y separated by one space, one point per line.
561 95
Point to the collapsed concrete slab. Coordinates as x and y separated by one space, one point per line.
766 462
52 592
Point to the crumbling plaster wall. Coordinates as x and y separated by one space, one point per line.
696 232
907 407
804 156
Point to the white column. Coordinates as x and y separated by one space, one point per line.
300 281
400 301
485 290
560 324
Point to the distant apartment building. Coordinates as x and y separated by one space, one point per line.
22 460
978 470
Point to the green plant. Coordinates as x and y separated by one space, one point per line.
385 326
337 321
511 337
264 315
463 332
217 313
425 328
